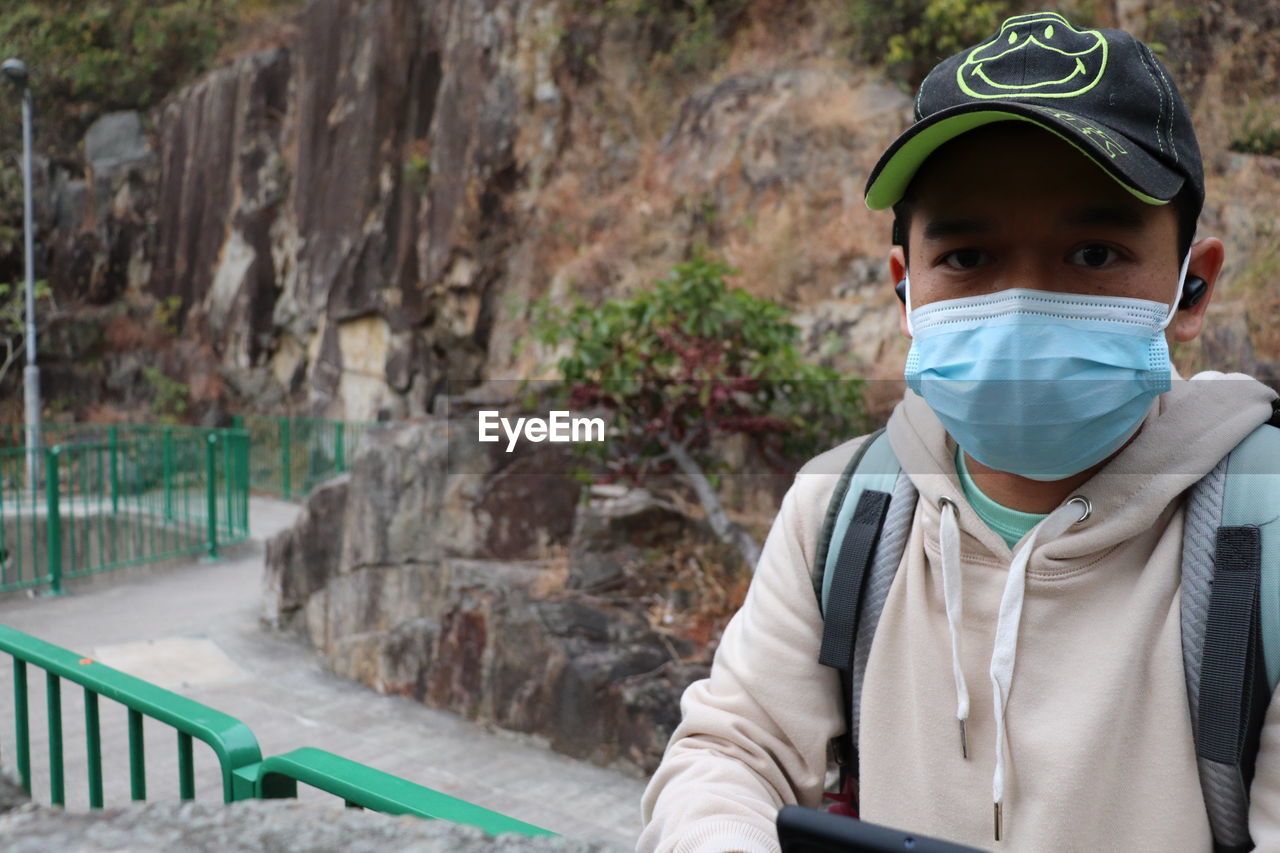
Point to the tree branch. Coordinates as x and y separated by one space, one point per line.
724 527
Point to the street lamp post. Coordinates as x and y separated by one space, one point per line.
16 71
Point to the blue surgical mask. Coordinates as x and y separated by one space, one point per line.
1036 383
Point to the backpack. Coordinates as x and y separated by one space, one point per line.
1230 606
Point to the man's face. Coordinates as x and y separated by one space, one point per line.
1011 205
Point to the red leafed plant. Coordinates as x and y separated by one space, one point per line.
689 360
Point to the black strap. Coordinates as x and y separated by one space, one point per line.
833 510
844 601
1275 413
856 550
1231 657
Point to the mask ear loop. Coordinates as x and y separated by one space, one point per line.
1177 297
906 278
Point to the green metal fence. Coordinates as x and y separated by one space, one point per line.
116 496
244 774
290 456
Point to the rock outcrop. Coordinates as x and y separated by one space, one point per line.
476 582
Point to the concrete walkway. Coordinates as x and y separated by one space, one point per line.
194 629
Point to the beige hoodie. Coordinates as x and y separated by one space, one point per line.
1099 749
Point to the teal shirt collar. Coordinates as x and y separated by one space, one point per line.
1010 524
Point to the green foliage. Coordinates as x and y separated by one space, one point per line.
87 57
166 312
689 360
13 319
686 36
1258 131
417 172
911 36
114 54
169 396
945 28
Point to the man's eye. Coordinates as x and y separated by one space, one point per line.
964 259
1094 256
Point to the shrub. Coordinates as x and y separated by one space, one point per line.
1258 131
691 360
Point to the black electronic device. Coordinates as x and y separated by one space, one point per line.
1192 292
805 830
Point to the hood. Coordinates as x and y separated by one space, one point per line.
1185 434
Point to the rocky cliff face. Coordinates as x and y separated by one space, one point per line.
337 212
361 214
477 583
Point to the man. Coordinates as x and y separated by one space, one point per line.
1046 200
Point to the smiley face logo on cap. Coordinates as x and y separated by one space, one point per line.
1039 55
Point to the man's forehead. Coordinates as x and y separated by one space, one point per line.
1012 156
1016 166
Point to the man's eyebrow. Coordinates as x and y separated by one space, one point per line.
1115 216
940 229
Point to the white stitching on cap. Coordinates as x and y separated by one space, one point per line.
920 91
1142 59
1173 106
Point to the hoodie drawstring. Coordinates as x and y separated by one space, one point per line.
949 539
1005 652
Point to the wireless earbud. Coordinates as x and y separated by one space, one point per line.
901 289
1192 292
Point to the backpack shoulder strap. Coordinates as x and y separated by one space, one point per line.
861 544
1252 499
818 571
1231 647
854 517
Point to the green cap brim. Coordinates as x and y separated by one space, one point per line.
892 175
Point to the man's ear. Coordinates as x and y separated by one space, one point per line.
1206 262
898 271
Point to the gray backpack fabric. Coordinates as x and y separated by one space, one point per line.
1230 604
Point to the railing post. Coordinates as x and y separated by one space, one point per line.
284 456
339 447
53 520
211 491
113 442
244 480
167 456
228 465
22 723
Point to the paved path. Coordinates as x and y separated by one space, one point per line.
194 629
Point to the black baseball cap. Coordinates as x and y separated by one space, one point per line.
1102 90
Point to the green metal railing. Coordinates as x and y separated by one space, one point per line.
245 775
119 496
290 456
361 786
231 741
